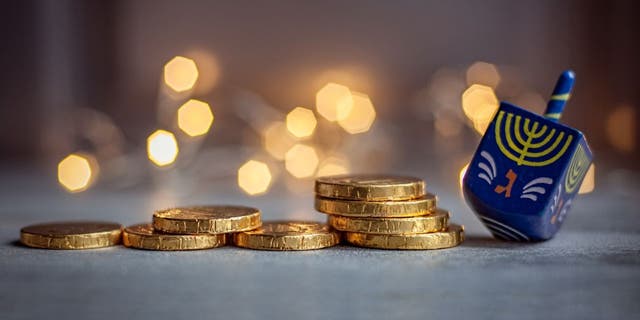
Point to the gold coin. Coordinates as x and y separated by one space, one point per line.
370 187
423 224
143 236
288 235
209 219
380 209
453 236
71 235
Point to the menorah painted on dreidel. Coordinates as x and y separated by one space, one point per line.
527 170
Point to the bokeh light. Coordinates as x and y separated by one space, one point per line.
162 148
301 122
195 117
621 129
76 172
301 161
479 104
483 73
333 166
361 116
334 101
180 74
277 140
254 177
589 182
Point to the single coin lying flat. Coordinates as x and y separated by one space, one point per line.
71 235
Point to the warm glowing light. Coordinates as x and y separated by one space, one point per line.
334 101
589 182
76 172
180 74
483 73
463 171
195 117
162 148
254 177
278 140
301 122
333 166
301 161
361 116
621 129
479 104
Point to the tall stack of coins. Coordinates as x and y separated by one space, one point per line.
386 212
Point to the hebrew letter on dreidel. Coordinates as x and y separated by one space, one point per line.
511 176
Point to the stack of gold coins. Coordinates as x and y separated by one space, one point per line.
386 212
191 228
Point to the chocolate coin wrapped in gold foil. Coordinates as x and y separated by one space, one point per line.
288 235
422 224
370 187
71 235
143 236
206 219
378 209
453 236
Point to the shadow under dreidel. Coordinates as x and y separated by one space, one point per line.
479 241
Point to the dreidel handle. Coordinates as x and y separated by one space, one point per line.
560 95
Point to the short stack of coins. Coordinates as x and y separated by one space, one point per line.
192 228
386 212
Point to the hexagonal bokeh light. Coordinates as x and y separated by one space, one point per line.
76 172
195 117
334 101
361 116
180 74
479 103
254 177
162 148
301 161
301 122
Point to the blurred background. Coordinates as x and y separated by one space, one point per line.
258 98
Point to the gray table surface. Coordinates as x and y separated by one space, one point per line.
591 270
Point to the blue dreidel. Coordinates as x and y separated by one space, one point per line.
526 171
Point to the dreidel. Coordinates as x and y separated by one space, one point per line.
527 170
